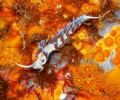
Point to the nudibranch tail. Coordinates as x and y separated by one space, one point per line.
35 65
24 66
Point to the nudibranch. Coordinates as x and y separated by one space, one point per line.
62 37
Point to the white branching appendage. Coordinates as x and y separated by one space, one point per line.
107 65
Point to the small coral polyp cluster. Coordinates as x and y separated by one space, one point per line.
92 81
86 68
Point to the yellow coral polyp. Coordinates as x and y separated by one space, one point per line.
106 52
113 32
108 41
81 38
99 57
82 35
117 39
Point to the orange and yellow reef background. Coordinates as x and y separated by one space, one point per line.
86 69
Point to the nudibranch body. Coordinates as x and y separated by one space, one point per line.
47 47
